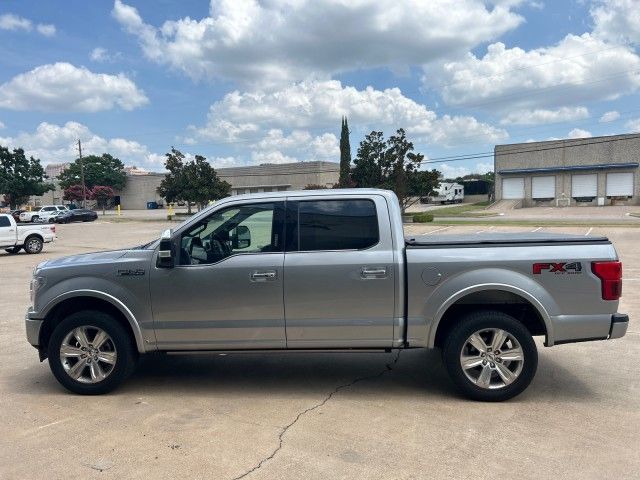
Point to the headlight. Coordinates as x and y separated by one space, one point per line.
37 283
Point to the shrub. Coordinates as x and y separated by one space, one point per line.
422 218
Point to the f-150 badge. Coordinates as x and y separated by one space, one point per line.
131 272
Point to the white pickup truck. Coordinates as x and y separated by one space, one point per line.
42 214
14 237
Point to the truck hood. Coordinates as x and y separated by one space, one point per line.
95 258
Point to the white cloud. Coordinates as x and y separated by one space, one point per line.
575 70
316 105
538 116
617 20
279 41
102 55
10 21
2 125
633 125
64 87
272 157
53 143
455 171
46 30
609 116
579 133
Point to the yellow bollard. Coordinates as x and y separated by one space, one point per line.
118 209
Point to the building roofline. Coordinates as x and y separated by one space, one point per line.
570 141
570 168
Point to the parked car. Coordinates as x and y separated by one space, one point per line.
77 215
42 214
16 214
325 270
14 237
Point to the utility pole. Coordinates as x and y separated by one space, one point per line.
84 189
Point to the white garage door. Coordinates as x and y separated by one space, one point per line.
512 188
619 184
584 185
543 187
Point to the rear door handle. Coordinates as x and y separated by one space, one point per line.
373 272
263 275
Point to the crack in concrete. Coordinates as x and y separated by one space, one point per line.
388 367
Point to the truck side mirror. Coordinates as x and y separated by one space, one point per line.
165 253
241 237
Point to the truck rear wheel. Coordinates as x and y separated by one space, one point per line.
33 245
90 353
490 356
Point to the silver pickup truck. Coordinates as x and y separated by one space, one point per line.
325 270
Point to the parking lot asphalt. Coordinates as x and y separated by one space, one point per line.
317 416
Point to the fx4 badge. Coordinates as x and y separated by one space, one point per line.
131 272
557 268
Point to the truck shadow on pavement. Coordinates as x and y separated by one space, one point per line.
413 373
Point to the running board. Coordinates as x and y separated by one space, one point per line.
291 350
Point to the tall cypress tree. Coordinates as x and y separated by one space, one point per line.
345 155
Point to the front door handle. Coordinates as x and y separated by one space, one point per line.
263 275
374 272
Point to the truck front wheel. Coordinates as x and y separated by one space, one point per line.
90 353
490 356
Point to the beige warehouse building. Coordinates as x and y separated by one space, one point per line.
141 189
586 171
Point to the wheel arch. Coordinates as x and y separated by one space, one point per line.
501 297
79 300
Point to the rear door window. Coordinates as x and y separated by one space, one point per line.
4 222
335 225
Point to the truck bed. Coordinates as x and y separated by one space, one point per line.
501 239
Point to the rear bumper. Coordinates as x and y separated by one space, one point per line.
591 328
619 324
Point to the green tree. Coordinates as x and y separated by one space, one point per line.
392 164
98 170
194 181
202 183
367 171
21 177
103 195
172 186
345 156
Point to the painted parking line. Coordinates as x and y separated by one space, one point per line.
439 230
588 232
486 229
536 229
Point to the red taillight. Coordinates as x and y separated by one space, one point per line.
610 275
53 229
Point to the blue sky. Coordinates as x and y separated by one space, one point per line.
246 82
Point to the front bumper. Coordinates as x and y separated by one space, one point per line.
33 326
619 325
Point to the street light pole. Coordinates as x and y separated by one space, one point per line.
84 189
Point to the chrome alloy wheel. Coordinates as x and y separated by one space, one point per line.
88 354
492 358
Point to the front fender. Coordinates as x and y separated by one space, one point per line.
128 314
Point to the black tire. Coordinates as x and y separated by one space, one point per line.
482 320
13 250
33 245
124 346
35 218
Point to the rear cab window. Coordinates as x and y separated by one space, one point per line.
315 225
4 221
